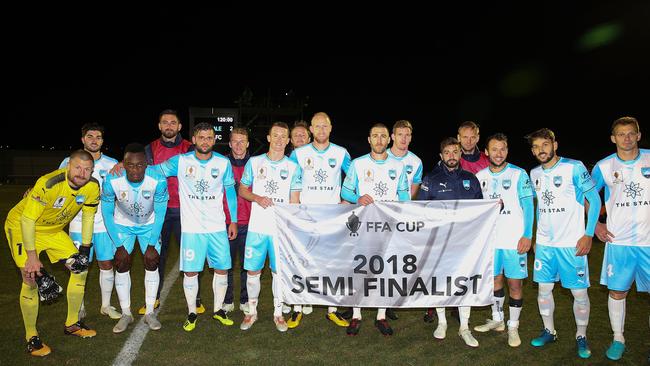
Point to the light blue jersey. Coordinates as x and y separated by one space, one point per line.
412 165
321 172
383 180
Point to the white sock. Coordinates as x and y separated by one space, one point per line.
546 305
442 318
219 287
191 288
253 286
463 314
123 289
497 307
297 308
617 317
581 309
275 289
381 314
356 313
331 309
106 283
151 282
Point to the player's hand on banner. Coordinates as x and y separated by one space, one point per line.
232 231
584 246
603 234
116 169
523 246
264 201
365 200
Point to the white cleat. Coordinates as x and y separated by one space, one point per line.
228 307
468 338
513 337
307 309
111 312
441 331
151 320
286 309
244 308
123 323
248 322
280 323
489 325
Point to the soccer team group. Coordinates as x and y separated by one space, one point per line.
217 206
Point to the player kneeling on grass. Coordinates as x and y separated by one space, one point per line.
134 205
35 225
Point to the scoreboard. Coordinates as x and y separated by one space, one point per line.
222 120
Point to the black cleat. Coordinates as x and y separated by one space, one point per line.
347 314
390 313
384 327
354 327
430 315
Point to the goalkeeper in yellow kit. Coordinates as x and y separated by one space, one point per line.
36 224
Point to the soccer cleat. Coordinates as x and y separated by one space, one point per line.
513 337
354 327
430 315
390 313
143 310
294 319
286 309
79 329
348 314
337 319
222 317
153 322
544 338
248 321
244 308
468 338
200 309
583 347
190 322
384 327
441 331
228 307
123 323
111 312
307 309
280 323
37 348
615 351
489 325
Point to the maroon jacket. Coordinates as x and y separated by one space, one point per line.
243 206
157 152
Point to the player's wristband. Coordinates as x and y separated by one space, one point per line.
602 218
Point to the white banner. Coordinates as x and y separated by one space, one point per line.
415 254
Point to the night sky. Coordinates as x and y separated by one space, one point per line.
510 68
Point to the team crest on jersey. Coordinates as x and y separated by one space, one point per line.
122 196
466 184
557 181
331 162
506 184
646 172
368 176
102 173
190 172
261 173
284 174
59 202
484 185
214 172
538 185
80 198
409 169
392 174
309 163
146 194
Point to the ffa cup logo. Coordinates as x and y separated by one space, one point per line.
261 173
392 174
190 172
466 184
59 202
538 185
618 177
483 185
506 184
309 163
409 169
122 196
353 224
284 174
557 181
146 194
331 162
80 199
368 176
646 172
214 172
102 173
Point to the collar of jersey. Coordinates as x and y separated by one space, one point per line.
378 161
320 151
266 156
628 162
390 153
554 165
498 173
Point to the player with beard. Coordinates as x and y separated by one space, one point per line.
448 181
371 178
562 241
514 231
92 138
